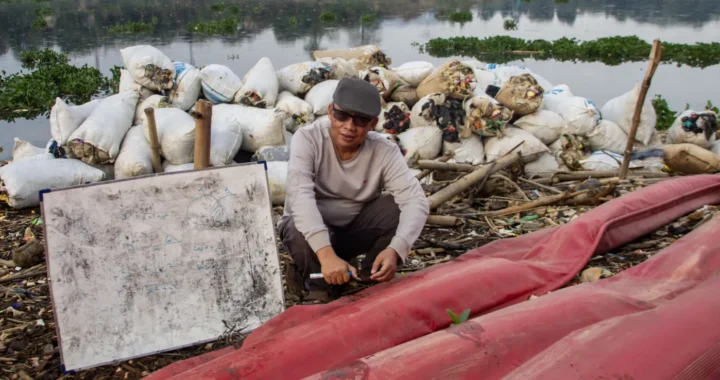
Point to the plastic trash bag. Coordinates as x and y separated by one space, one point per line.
135 157
546 165
570 150
693 127
413 73
437 110
554 95
65 119
531 148
127 83
259 126
176 134
154 102
621 110
452 79
272 153
187 87
260 86
579 113
690 159
299 78
366 56
170 168
340 68
486 117
505 72
320 96
299 111
394 118
715 147
277 177
422 143
24 179
604 161
98 139
545 125
219 83
521 94
24 149
467 151
384 80
651 160
225 134
608 136
149 67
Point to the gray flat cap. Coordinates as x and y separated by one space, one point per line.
357 96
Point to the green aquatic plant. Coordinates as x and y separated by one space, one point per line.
225 26
134 27
510 24
368 18
39 23
461 17
45 11
665 116
292 21
217 7
234 10
328 17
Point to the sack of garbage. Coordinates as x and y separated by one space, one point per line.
299 111
154 102
321 95
225 134
693 127
24 149
484 116
170 168
273 153
98 139
406 94
107 169
521 94
127 83
340 68
570 150
452 79
413 73
259 126
299 78
467 151
715 147
176 134
383 79
187 87
149 67
219 83
277 177
690 159
621 110
65 119
24 179
554 95
260 86
437 110
394 118
135 157
422 143
530 147
651 160
604 161
580 113
504 72
545 125
545 166
608 136
367 55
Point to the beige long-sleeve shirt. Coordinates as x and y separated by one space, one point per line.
322 188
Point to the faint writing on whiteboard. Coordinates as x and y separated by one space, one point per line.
128 215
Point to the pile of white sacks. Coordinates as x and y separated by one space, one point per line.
478 111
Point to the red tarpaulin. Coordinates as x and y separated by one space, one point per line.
305 340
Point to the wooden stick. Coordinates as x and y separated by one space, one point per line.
465 182
655 58
540 202
154 143
582 175
427 172
444 166
443 220
203 121
548 188
8 263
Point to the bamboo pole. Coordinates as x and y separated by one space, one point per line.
655 58
154 143
444 166
427 172
443 220
203 121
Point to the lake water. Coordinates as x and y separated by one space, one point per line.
80 28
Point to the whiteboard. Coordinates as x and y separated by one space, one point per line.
157 263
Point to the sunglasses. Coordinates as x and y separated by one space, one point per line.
342 116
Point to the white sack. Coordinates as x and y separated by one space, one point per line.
423 143
505 72
320 96
65 119
607 136
413 73
24 179
260 127
530 150
601 161
260 86
545 125
170 168
715 147
544 166
697 136
621 110
420 116
299 111
219 83
99 137
382 120
277 177
187 87
176 134
153 101
468 151
24 149
299 78
554 95
341 68
135 157
149 67
127 83
579 113
225 135
107 169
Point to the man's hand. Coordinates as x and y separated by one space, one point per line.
334 269
385 264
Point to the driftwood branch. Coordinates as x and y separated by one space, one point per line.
443 220
445 166
427 172
548 188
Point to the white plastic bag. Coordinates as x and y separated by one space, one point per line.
149 67
299 78
24 149
135 157
176 134
170 168
219 83
340 68
299 111
320 96
413 73
24 179
579 113
468 151
260 127
65 119
260 86
277 177
544 166
621 110
701 131
607 136
421 143
226 135
545 125
98 139
187 87
530 150
604 161
127 83
715 147
552 96
153 101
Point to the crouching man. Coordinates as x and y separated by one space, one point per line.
335 209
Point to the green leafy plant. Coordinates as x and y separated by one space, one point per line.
225 26
368 18
710 107
45 11
39 23
665 116
134 27
234 10
292 21
328 17
456 320
510 24
461 17
217 7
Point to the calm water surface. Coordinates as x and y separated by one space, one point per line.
80 28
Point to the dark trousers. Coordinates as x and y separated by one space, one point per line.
370 232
